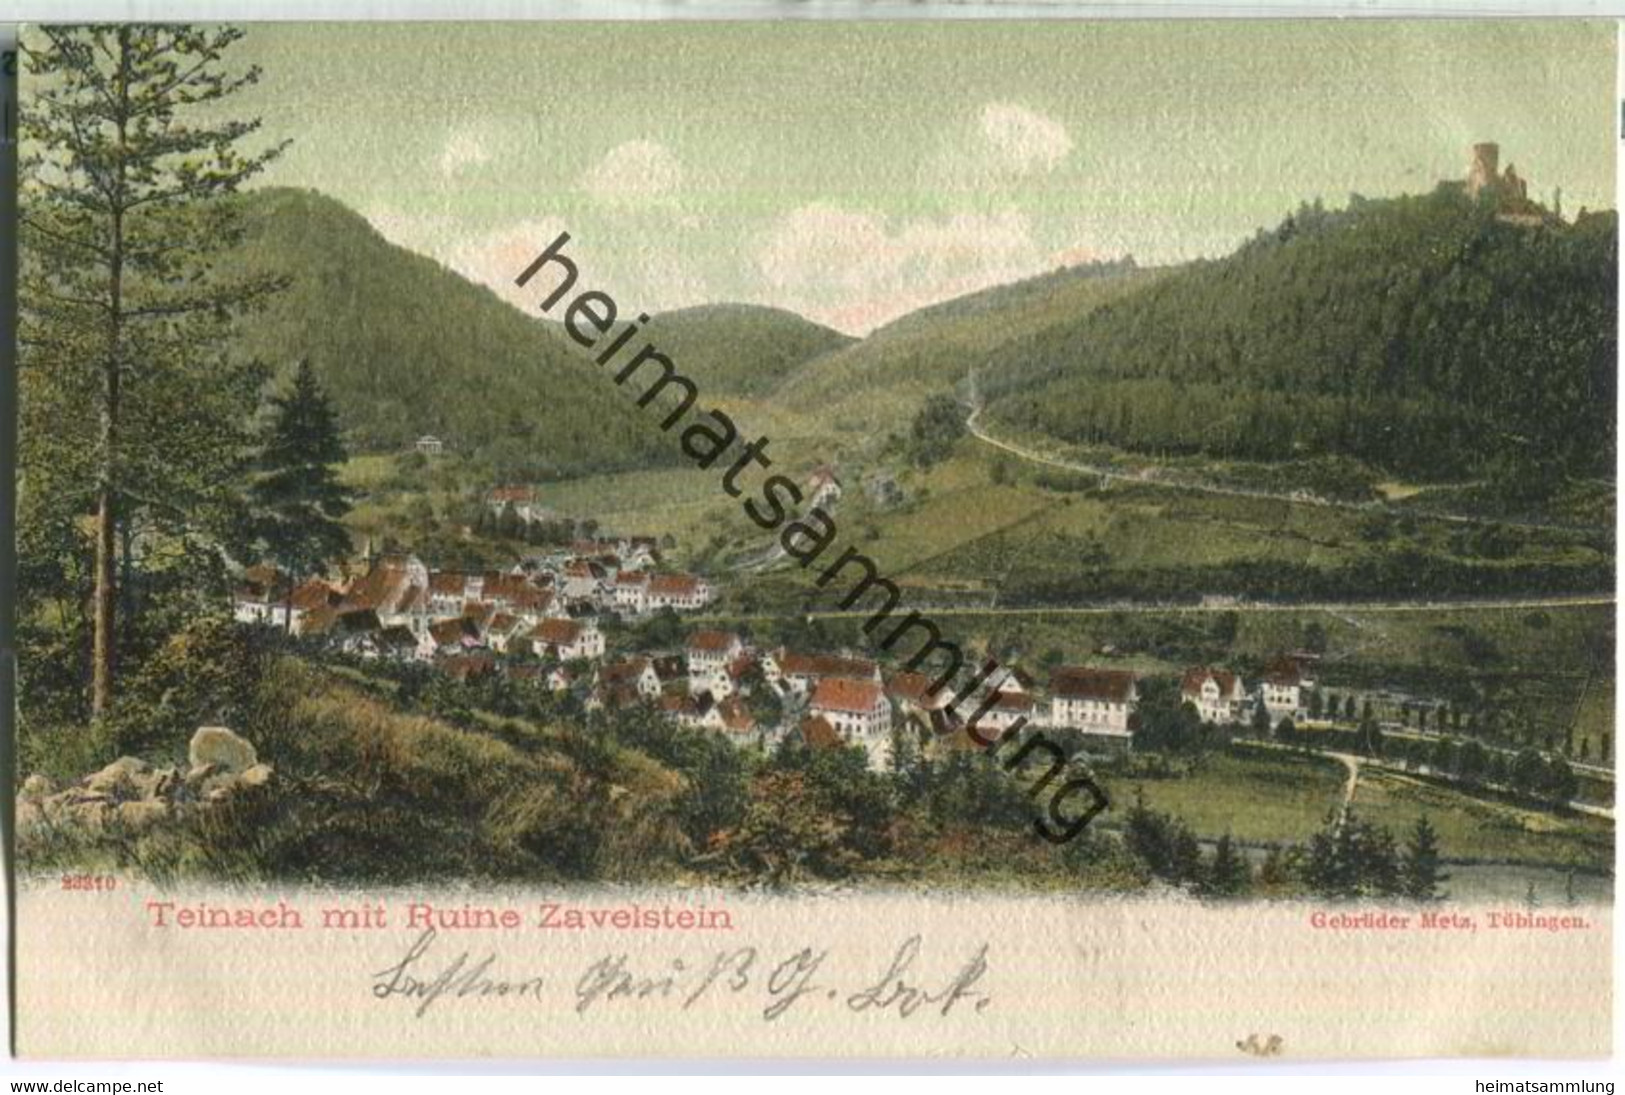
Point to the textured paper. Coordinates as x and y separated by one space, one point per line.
1065 979
918 257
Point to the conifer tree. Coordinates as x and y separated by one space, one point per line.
1228 874
128 400
1421 875
298 500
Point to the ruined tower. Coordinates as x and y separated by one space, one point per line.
1486 167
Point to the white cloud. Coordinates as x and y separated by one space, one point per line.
1025 140
635 173
464 149
856 271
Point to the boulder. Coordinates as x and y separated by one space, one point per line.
118 778
257 776
219 746
137 816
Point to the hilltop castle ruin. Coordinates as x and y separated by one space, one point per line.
1509 191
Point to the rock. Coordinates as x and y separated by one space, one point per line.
198 773
138 816
257 776
118 778
30 815
36 787
90 813
217 745
165 781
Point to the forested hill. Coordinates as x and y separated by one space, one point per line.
407 347
740 349
1422 335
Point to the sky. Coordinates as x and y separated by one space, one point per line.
853 172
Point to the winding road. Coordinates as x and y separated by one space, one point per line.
1109 474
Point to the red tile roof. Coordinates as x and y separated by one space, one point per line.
1284 671
1084 683
713 642
819 734
825 665
839 694
916 688
1194 679
556 632
674 585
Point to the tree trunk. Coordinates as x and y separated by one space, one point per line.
105 600
106 595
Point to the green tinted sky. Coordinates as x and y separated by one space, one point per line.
852 171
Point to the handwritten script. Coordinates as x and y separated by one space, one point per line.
902 986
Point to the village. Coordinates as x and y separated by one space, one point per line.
543 621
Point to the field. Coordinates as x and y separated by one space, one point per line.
1257 799
1483 830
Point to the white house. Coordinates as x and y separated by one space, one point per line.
859 712
429 445
709 654
1283 690
798 674
677 591
631 594
1217 695
1002 710
1096 702
567 640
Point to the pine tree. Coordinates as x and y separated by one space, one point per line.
1228 874
129 401
298 500
1420 873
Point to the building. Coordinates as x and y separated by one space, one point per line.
262 597
631 595
525 502
1284 689
1508 191
1098 703
677 591
567 640
859 712
1001 711
823 488
635 674
1217 695
798 674
429 445
708 651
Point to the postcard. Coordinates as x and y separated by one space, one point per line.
987 540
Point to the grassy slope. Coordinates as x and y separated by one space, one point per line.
365 792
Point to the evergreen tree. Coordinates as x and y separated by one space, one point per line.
1228 874
129 401
298 500
1420 874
